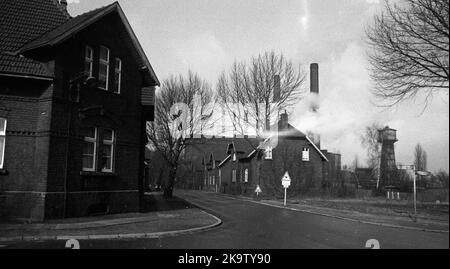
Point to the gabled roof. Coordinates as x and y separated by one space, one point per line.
22 21
77 24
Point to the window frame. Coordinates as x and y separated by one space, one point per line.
305 158
110 143
118 71
93 140
2 149
89 60
107 62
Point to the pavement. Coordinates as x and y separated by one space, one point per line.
173 218
250 224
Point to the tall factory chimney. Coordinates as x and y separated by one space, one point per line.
314 90
314 78
387 137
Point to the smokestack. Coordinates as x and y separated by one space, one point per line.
314 78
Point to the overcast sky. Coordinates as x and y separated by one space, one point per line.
208 35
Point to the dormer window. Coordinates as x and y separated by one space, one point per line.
88 60
103 68
268 153
305 154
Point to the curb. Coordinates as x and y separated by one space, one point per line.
115 236
339 217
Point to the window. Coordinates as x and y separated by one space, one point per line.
90 150
213 180
2 141
233 176
108 150
103 68
269 153
246 175
305 154
117 75
234 157
88 60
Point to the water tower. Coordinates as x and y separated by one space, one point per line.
387 137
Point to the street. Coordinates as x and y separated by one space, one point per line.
251 225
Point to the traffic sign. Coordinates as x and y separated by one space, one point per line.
258 189
286 180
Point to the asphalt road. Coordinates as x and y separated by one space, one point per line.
256 226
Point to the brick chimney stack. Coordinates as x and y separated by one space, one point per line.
284 121
63 6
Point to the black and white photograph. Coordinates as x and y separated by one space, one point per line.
238 126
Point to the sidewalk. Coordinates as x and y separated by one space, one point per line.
130 225
395 221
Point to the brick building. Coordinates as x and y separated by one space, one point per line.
237 165
75 93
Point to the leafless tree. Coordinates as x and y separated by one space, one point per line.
249 93
181 110
409 50
420 158
369 140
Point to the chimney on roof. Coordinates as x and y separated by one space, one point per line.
63 6
284 121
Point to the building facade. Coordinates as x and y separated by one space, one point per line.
75 93
237 165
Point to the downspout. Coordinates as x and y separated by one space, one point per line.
66 187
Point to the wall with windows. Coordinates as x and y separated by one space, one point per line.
25 108
300 159
98 162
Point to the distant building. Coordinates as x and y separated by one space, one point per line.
237 165
75 93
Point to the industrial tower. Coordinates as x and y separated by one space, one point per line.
388 169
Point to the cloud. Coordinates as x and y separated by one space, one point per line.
345 104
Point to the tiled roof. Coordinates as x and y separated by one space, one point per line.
22 21
65 28
78 23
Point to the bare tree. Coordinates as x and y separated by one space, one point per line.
369 140
409 50
248 93
355 163
181 111
253 93
420 158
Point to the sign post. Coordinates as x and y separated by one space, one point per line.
286 182
258 190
